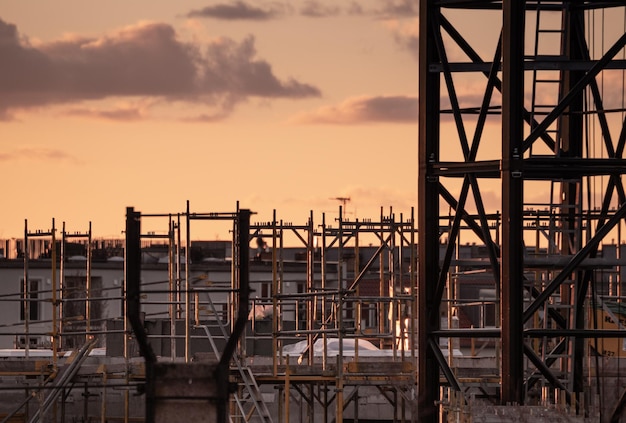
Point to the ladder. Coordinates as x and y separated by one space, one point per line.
547 90
248 399
546 85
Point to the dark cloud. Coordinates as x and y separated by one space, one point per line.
24 70
232 68
240 10
387 9
145 60
316 9
358 110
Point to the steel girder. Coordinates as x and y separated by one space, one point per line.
544 144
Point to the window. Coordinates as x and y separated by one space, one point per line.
32 299
75 308
265 290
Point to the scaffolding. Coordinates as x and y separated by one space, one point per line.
339 323
332 311
332 328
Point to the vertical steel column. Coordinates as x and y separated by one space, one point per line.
243 276
428 212
127 368
512 302
133 303
572 130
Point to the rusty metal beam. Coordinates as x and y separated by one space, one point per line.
428 212
512 263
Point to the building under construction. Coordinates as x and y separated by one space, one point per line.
284 322
462 310
316 321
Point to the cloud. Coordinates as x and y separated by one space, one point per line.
611 84
390 109
316 9
205 118
398 9
355 9
406 35
232 69
240 10
399 16
37 154
395 109
387 9
122 114
145 60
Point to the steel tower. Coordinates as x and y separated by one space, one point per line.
524 100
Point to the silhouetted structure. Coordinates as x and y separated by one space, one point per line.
558 165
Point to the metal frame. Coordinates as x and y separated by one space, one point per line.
219 384
557 131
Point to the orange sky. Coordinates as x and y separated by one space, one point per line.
277 105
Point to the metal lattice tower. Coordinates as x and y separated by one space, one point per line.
547 135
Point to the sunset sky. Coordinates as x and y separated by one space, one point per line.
276 104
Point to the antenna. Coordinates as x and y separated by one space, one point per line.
344 201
